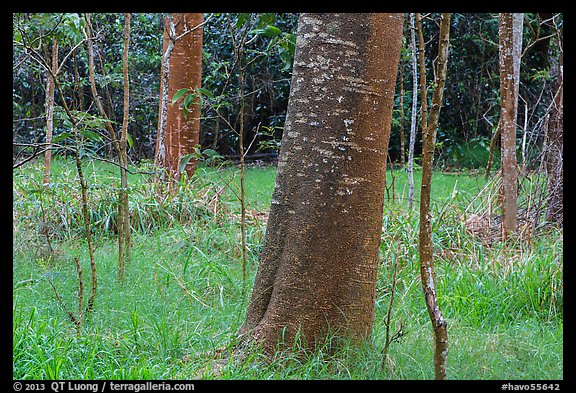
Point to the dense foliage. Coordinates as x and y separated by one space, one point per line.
468 119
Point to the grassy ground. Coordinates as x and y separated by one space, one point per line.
184 297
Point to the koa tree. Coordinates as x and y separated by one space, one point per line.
319 261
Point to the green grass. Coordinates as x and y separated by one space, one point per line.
184 298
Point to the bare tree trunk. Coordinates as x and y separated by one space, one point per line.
493 142
93 88
161 153
123 214
84 195
241 77
318 265
414 113
216 129
401 82
78 88
429 127
45 64
50 87
123 207
510 45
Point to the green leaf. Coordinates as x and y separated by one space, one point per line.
91 135
266 19
271 29
129 140
210 153
188 101
61 137
203 91
241 19
179 94
268 31
184 160
288 42
197 153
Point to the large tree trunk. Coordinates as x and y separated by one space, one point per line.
510 45
180 133
320 255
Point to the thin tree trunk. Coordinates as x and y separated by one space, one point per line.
401 82
123 207
84 196
429 127
216 130
480 89
50 87
319 261
108 123
242 185
161 154
510 45
122 200
493 142
83 191
240 55
414 113
78 89
555 149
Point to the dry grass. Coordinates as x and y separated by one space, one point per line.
483 219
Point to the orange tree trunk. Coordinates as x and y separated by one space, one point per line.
319 260
182 132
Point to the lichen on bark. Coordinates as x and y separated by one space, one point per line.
318 266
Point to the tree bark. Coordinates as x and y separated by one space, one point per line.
50 88
161 153
510 45
401 103
414 113
429 127
182 50
318 265
123 208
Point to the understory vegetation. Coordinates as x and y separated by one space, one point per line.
184 298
